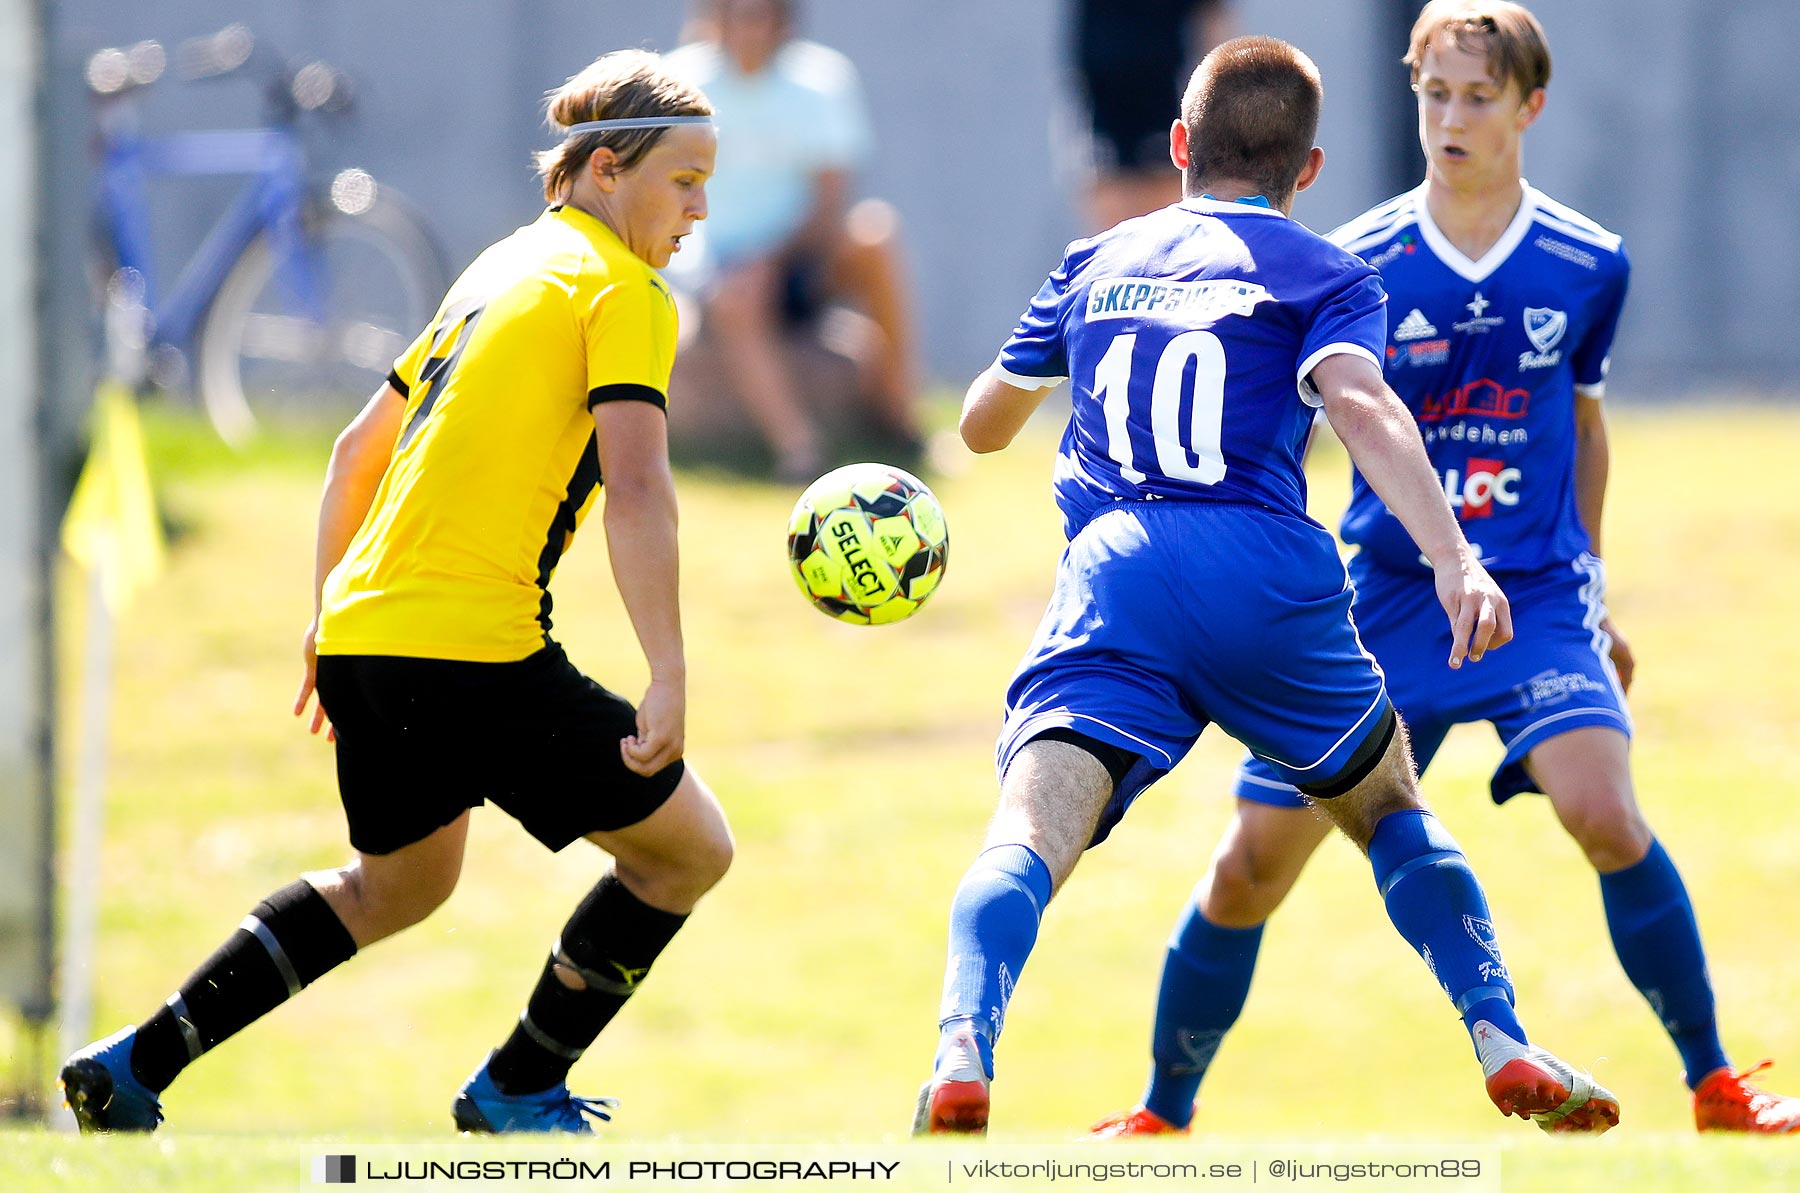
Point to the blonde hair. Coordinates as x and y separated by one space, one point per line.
1506 33
615 86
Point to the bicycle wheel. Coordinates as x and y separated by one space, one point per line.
266 361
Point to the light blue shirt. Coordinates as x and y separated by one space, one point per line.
799 115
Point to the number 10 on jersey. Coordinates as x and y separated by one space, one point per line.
1189 453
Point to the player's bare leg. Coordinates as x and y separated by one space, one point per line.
1587 775
662 865
1258 861
677 853
377 895
1050 803
288 941
1393 786
1435 901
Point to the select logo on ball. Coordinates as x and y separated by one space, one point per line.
868 543
850 537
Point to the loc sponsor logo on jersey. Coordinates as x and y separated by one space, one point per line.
1480 485
1478 322
1191 302
1544 327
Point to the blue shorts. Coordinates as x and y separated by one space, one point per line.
1553 677
1171 615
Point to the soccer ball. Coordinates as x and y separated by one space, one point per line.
868 544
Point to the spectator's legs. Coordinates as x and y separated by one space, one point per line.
867 270
744 316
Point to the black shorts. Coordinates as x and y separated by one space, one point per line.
419 741
1132 61
1129 128
802 295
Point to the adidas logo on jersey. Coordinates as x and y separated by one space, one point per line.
1414 327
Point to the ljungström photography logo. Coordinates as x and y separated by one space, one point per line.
334 1170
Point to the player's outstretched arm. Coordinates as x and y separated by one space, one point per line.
640 522
1383 442
993 412
359 459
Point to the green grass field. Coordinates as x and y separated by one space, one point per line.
800 1003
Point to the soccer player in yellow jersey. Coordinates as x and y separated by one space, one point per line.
448 501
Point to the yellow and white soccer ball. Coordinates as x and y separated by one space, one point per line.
868 543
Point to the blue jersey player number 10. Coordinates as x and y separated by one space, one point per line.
1195 590
1197 455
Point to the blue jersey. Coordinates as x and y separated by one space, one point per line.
1489 356
1187 336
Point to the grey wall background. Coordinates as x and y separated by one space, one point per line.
1670 121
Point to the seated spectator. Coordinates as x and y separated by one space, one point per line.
783 239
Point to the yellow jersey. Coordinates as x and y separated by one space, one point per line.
496 464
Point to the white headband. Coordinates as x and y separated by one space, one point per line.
630 122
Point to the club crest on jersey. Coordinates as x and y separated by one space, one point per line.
1191 302
1545 328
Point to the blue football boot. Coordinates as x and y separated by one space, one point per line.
99 1086
480 1108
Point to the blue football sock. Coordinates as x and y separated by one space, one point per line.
1205 980
1437 904
1658 942
993 926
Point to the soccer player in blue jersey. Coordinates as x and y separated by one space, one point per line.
1504 305
1199 339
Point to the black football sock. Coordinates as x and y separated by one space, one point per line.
612 939
284 945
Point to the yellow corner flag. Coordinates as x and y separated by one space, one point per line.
111 525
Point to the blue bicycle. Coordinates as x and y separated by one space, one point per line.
298 300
